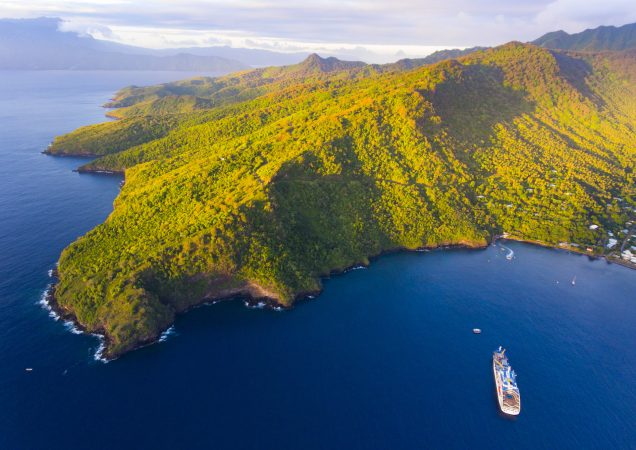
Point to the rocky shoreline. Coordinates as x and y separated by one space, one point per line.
246 295
49 301
83 169
68 155
103 354
253 301
242 294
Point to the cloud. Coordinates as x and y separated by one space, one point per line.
96 30
573 15
374 26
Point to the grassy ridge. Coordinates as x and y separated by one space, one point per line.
279 176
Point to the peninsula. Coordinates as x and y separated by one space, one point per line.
261 182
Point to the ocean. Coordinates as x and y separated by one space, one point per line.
384 358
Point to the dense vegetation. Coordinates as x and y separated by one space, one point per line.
260 182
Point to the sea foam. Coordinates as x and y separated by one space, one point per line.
358 267
166 334
69 324
259 305
99 353
45 304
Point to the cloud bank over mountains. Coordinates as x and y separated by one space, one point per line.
367 29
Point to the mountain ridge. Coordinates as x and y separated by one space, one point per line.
266 180
38 44
596 39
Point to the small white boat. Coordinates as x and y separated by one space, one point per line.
477 330
29 369
574 280
510 253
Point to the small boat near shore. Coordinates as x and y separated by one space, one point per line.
506 382
510 253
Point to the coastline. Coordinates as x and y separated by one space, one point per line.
83 168
99 171
245 294
68 155
609 259
251 300
58 313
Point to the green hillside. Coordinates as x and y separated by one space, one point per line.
260 182
594 40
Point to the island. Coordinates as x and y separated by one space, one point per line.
259 183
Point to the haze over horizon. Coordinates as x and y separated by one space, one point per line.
373 31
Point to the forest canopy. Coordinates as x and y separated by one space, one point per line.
259 183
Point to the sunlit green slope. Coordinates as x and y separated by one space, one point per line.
261 182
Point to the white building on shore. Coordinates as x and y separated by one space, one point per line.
627 255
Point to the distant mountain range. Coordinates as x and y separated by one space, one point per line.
38 44
593 40
597 39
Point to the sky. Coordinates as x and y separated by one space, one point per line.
372 30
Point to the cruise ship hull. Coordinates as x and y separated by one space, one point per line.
507 395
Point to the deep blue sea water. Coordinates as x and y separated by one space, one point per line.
384 358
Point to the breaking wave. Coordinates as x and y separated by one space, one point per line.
358 267
99 353
45 304
166 334
69 324
259 305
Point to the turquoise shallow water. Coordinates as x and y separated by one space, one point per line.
384 358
